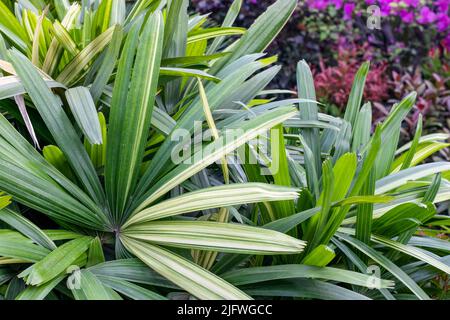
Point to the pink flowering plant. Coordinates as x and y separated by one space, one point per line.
271 198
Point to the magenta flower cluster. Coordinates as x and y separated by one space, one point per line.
434 13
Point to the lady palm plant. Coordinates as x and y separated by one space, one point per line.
103 211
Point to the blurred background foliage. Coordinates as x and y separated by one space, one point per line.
409 51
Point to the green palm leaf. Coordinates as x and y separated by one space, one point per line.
129 126
194 279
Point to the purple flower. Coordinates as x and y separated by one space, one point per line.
348 10
385 7
412 3
426 16
318 4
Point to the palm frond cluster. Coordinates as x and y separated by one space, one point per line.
297 204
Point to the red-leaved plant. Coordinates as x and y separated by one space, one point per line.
333 83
